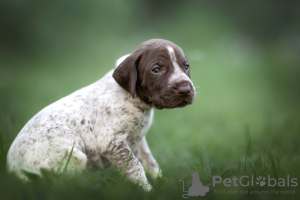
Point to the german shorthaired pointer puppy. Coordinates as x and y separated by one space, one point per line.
104 122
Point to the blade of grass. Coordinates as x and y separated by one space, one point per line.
273 164
226 172
262 163
124 168
248 146
206 162
31 174
253 165
1 144
238 165
69 158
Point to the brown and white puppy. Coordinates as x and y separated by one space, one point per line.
104 121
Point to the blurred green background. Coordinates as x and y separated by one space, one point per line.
245 64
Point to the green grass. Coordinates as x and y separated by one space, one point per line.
244 122
239 125
234 128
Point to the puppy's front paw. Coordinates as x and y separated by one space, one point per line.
156 173
147 187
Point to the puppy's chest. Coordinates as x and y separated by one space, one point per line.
141 128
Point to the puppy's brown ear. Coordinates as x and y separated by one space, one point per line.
126 73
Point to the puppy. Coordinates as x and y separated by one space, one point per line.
107 120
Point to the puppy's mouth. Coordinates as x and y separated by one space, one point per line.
182 104
171 102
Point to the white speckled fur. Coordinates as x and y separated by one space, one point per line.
97 119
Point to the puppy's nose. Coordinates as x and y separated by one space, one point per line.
184 89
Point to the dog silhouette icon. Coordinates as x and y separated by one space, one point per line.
197 188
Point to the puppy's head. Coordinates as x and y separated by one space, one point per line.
158 72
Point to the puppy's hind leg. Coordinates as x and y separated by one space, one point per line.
66 150
54 148
74 160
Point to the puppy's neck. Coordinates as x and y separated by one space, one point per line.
140 103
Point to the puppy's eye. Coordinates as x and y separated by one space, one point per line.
187 67
156 70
